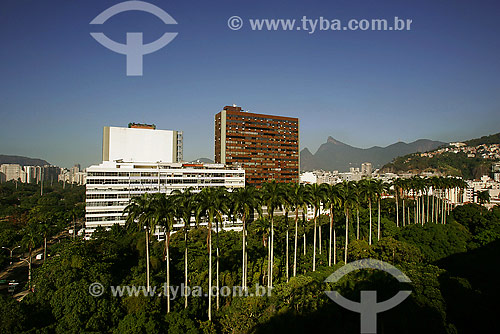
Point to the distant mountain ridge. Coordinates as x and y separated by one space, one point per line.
23 161
336 155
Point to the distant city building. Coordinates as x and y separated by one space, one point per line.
73 175
266 146
366 169
141 143
33 174
111 185
13 172
308 178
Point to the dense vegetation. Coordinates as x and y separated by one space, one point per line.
24 213
450 261
454 164
491 139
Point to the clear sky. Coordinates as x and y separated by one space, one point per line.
59 87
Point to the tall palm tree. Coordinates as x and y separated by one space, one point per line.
245 201
164 213
287 206
334 201
397 189
348 196
379 188
317 197
212 204
185 204
272 197
299 197
368 191
141 214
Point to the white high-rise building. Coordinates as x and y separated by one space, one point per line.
140 142
141 159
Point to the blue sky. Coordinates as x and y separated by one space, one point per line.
59 87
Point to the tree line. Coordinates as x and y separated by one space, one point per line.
213 205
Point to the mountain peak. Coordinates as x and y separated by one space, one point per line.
334 141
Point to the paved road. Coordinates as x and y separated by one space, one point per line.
18 271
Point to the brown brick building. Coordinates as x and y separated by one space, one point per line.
266 146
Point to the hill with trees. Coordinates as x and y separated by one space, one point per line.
23 161
470 159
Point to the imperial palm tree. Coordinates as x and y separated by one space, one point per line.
368 192
164 214
333 201
379 188
212 205
185 204
287 206
245 201
317 197
141 214
348 201
399 194
272 197
299 197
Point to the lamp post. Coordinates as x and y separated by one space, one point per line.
28 261
11 250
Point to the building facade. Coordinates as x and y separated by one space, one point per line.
111 185
266 146
13 172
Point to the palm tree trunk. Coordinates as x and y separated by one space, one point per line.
404 223
330 239
295 249
357 223
269 260
397 209
272 253
287 255
314 242
243 255
185 269
334 247
370 231
378 228
319 239
147 258
346 235
210 271
167 244
217 264
427 215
